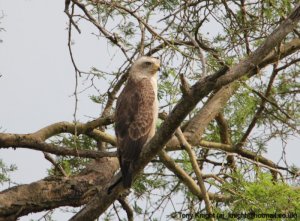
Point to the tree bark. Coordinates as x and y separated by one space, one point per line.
53 192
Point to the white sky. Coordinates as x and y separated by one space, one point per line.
38 80
38 77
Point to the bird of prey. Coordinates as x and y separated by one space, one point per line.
136 113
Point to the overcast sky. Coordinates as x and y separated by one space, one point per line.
38 80
38 77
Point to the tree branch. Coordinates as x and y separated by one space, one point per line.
66 127
31 142
55 164
106 34
125 205
53 192
197 170
225 136
36 140
259 110
201 89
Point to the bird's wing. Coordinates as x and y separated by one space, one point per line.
134 118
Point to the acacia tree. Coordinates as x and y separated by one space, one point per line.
223 96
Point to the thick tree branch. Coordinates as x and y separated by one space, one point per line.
218 100
31 142
66 127
36 141
53 192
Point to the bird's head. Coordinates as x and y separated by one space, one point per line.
145 67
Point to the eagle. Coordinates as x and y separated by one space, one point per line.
136 113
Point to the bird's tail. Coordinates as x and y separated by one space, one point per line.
126 173
127 179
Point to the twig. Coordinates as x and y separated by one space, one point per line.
67 3
265 98
142 43
259 164
125 205
140 20
116 211
113 38
55 164
225 136
244 25
77 72
271 102
288 64
197 170
186 179
200 52
185 87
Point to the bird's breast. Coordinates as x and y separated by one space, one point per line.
155 108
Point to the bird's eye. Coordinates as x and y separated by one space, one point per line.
147 63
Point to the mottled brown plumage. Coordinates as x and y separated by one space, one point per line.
136 114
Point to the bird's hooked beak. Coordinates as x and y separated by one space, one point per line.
157 64
158 68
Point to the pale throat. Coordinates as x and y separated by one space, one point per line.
138 75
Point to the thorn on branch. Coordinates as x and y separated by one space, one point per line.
185 87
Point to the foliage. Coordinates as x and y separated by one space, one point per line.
262 195
5 171
72 165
